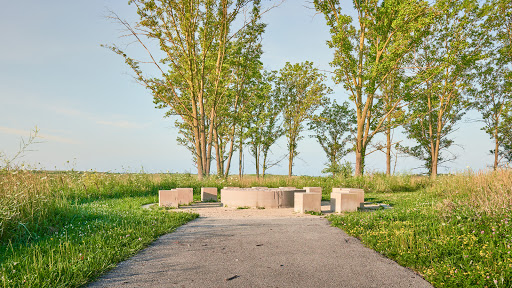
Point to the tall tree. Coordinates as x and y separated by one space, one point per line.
193 38
367 51
446 62
333 128
265 128
243 60
493 90
301 90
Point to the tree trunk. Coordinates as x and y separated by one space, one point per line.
496 149
359 164
217 152
257 160
264 168
290 163
197 144
231 149
359 146
388 152
433 173
240 155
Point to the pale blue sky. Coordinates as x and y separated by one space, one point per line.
90 112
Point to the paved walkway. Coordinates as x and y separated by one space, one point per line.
258 248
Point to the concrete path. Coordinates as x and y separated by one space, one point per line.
259 251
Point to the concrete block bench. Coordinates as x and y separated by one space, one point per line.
360 192
175 197
345 202
307 202
209 194
258 197
313 189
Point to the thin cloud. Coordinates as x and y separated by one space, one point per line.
69 111
43 136
122 124
89 117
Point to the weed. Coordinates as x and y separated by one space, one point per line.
313 213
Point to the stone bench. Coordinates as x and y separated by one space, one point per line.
360 192
346 199
209 194
307 202
313 189
258 197
175 197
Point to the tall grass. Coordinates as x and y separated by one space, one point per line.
482 192
456 232
33 203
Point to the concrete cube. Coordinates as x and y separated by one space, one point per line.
209 194
239 197
344 202
307 202
360 192
168 198
254 197
185 195
313 189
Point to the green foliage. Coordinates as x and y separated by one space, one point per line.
367 51
332 130
301 91
264 122
446 61
203 66
492 92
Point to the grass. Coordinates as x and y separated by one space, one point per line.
456 233
316 213
65 229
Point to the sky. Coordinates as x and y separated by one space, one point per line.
92 115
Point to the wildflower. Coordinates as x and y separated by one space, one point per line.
482 232
140 238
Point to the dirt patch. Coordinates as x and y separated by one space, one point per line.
216 210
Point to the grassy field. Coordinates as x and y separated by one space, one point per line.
457 232
65 229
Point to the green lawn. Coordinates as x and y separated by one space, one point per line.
450 244
66 229
96 236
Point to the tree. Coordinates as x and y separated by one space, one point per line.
193 37
300 90
492 94
265 128
446 62
494 101
366 55
332 130
243 58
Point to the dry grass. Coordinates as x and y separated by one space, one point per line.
481 192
